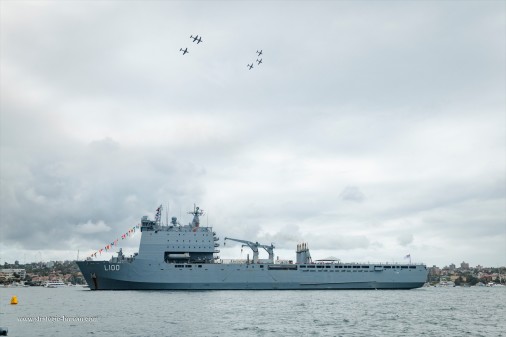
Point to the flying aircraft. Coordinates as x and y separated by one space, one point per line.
250 66
259 52
259 61
184 50
196 38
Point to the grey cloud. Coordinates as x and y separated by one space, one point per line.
396 108
352 193
105 145
405 239
290 235
92 228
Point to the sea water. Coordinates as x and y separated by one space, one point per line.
77 311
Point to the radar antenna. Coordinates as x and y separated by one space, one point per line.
197 212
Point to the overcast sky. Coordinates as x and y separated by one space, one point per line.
371 130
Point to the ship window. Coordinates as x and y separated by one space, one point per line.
319 266
387 267
261 266
303 266
327 266
310 266
200 266
365 267
404 267
188 266
412 267
355 267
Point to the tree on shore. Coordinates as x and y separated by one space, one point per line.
471 280
459 281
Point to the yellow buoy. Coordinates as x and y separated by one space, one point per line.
14 300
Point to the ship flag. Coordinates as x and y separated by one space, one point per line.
408 257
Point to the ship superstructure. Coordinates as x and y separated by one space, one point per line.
189 244
173 256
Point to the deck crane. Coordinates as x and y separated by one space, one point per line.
269 250
254 247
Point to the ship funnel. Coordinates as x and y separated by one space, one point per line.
303 255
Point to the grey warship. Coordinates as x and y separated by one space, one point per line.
183 257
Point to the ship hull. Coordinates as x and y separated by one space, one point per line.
145 275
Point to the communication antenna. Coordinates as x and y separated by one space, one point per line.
158 216
167 215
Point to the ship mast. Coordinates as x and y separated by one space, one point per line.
158 216
196 213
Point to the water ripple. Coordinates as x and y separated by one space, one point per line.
420 312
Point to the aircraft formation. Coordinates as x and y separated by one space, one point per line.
195 38
198 39
250 66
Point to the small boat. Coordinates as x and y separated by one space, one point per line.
54 284
444 283
492 284
19 284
